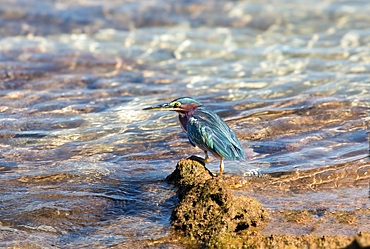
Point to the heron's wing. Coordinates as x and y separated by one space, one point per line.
209 132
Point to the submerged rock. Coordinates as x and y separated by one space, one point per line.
208 210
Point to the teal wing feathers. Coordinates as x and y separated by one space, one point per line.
209 132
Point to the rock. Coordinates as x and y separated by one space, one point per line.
208 210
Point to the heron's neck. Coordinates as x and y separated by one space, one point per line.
186 114
184 119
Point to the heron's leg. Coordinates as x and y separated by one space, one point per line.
221 165
206 159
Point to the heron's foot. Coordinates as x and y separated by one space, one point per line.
198 159
206 159
201 161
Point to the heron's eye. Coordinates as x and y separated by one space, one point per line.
176 104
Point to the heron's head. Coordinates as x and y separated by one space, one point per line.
180 105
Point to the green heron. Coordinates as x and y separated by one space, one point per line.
205 129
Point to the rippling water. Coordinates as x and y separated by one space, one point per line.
81 163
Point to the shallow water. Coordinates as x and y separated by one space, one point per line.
82 164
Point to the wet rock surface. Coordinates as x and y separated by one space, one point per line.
207 209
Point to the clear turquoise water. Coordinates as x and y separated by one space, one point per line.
81 164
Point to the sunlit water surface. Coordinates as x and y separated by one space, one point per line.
83 165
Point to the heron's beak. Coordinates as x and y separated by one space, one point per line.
163 107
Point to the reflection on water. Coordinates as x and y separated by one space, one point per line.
82 164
